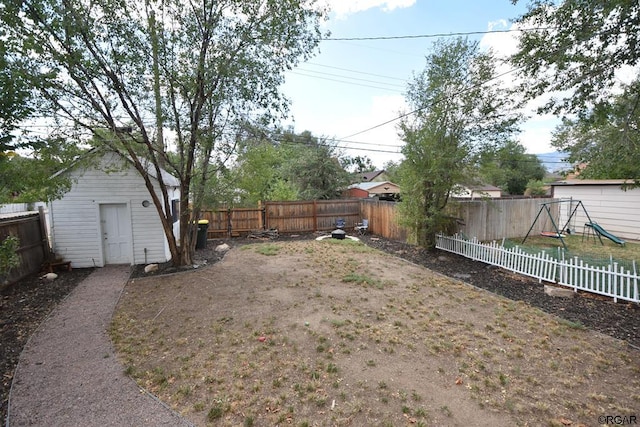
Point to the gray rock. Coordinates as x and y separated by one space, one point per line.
222 248
151 268
50 277
554 291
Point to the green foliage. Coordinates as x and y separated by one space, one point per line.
136 68
16 100
358 164
32 179
536 188
606 140
510 168
579 46
295 167
9 257
456 116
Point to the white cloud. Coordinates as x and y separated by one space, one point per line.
343 8
380 145
385 138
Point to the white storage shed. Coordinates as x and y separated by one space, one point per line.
108 216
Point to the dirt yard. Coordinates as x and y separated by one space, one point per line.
322 333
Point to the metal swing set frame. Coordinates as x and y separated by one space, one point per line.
557 233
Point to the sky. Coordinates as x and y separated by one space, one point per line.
351 86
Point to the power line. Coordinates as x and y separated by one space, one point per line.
352 78
345 82
435 35
410 113
356 71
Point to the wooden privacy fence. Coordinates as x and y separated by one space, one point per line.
30 229
612 280
286 217
494 219
487 219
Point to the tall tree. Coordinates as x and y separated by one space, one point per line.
456 112
578 47
15 102
510 168
607 141
32 177
315 166
215 62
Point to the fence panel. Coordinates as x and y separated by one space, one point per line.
383 219
30 229
493 219
612 281
232 222
306 216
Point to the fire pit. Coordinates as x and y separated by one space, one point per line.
338 234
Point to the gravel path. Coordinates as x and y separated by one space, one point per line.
68 374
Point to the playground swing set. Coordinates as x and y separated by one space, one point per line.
558 232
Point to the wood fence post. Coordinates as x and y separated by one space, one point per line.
46 248
315 215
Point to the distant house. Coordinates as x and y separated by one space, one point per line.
610 203
382 190
373 176
477 192
107 217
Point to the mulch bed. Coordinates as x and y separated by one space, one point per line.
24 305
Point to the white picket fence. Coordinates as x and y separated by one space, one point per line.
613 280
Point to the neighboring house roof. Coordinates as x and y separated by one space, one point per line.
385 187
370 176
483 187
476 190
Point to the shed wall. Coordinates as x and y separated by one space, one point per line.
75 219
614 209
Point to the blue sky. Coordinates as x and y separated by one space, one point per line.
354 85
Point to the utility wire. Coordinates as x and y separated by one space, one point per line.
435 35
356 71
351 78
345 82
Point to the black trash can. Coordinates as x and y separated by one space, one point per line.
203 226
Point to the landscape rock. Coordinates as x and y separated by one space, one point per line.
50 277
151 268
554 291
222 248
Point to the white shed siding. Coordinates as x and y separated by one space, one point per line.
616 210
75 219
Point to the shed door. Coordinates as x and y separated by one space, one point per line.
116 233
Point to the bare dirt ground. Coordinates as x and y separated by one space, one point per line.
331 333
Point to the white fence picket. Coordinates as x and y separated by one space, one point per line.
613 281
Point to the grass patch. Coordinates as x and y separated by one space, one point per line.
362 279
268 249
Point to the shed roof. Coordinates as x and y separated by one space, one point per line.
592 182
169 180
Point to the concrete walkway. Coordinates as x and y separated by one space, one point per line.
68 374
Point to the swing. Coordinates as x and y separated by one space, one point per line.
553 234
566 228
